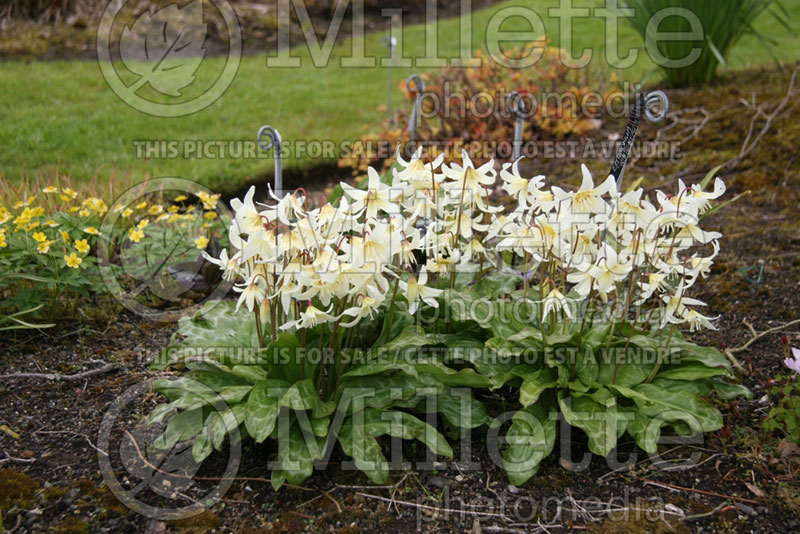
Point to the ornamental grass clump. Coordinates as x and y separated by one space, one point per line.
720 24
360 316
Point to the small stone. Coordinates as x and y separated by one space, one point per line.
749 510
512 489
27 453
438 482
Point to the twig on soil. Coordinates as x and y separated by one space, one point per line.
720 508
436 509
10 458
694 490
750 143
16 525
84 436
730 352
66 378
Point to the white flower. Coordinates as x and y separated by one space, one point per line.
310 318
229 266
252 292
367 304
248 219
555 302
377 196
588 198
416 291
696 320
467 181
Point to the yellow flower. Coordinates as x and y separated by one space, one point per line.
69 192
3 243
50 189
40 237
210 215
135 235
201 242
44 247
73 260
205 226
162 217
173 209
188 217
97 204
209 201
155 209
83 213
51 223
64 235
25 203
31 226
5 216
91 230
73 209
127 212
141 205
142 224
180 198
82 246
37 212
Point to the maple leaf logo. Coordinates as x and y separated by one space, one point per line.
165 48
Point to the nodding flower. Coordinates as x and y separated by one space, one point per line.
315 265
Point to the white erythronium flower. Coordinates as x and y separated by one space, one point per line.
378 196
247 218
252 292
367 304
310 318
467 181
415 171
417 290
555 302
229 266
588 199
290 256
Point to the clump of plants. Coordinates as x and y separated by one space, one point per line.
721 24
460 106
357 318
48 242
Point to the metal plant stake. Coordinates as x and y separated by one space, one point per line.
516 105
391 42
274 142
414 84
641 104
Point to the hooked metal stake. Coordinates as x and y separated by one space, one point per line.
641 105
276 143
391 42
414 84
516 105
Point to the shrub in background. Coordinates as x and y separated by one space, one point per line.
472 108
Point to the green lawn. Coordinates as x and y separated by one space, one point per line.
62 114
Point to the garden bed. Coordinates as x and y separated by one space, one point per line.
50 470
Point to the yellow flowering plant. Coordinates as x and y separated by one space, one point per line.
48 240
